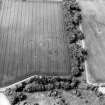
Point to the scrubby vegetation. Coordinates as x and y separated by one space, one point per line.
46 83
58 97
15 97
72 21
40 83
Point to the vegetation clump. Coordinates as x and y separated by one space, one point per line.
72 22
15 97
50 84
18 98
57 95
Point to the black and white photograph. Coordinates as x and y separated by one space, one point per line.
52 52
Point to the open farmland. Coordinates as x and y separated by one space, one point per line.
94 28
96 62
61 90
31 40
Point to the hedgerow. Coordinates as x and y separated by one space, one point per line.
72 22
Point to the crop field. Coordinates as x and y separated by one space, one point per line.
31 40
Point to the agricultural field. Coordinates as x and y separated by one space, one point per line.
31 40
72 89
39 38
94 28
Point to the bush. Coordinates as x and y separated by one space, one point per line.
72 15
24 0
10 92
36 104
68 26
81 67
35 78
57 85
49 87
74 83
12 99
77 19
34 87
67 86
17 97
74 35
70 37
75 7
30 88
75 71
44 80
51 84
78 33
77 52
26 103
21 96
20 87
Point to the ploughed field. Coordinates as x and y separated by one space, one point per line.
31 40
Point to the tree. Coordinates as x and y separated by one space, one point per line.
78 33
75 7
21 96
49 87
20 87
67 86
74 84
57 85
75 71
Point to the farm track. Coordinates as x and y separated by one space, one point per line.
31 41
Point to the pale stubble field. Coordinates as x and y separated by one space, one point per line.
94 29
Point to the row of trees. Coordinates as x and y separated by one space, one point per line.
40 87
57 95
38 84
45 83
58 83
72 21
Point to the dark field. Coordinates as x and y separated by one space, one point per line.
31 40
